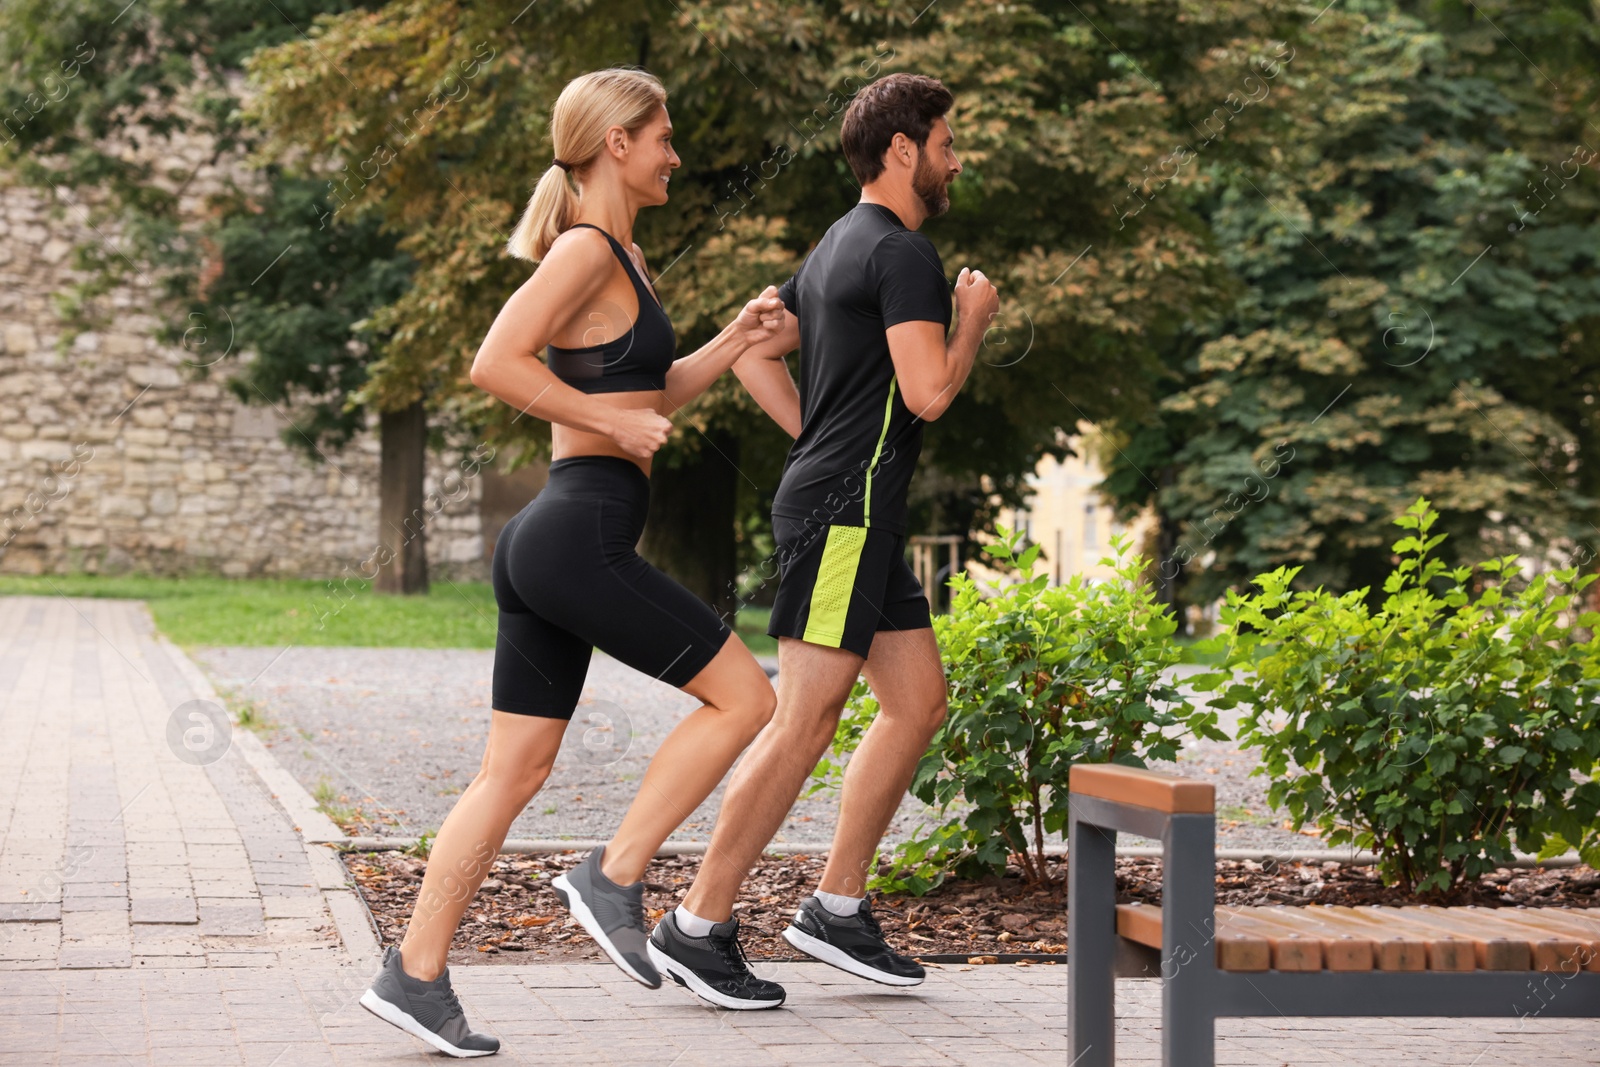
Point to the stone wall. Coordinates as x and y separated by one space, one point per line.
116 455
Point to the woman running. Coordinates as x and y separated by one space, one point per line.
565 572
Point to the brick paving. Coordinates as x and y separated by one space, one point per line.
160 904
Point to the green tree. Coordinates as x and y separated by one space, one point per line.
1416 249
1060 106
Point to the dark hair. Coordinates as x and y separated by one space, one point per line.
897 103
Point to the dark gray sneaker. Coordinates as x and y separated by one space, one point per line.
854 943
713 967
612 914
428 1010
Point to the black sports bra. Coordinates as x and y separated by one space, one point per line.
637 360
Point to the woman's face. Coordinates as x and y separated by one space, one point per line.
651 160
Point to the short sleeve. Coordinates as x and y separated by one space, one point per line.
789 293
911 282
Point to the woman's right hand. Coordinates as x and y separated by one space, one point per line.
762 318
640 431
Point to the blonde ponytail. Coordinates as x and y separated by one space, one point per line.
590 105
551 209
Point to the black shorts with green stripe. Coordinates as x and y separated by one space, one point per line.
840 585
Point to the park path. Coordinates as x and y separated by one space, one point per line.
162 901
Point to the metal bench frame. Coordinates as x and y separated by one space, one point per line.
1194 993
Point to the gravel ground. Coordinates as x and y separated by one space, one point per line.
396 734
1244 818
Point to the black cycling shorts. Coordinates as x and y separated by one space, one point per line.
568 579
840 585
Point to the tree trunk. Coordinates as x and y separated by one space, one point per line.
689 531
402 555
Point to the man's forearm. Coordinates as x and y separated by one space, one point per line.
770 385
961 349
961 352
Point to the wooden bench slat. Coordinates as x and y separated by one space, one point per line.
1546 951
1236 951
1582 924
1239 951
1445 951
1342 949
1140 923
1292 950
1394 949
1409 938
1141 788
1491 949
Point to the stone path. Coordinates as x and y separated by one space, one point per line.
159 904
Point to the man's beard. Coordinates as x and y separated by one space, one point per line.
929 185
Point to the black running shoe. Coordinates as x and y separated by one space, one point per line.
854 943
713 967
428 1010
612 914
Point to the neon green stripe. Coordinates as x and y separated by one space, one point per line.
888 410
836 577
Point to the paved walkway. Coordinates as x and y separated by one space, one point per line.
160 903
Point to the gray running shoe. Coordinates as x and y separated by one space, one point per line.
612 914
428 1010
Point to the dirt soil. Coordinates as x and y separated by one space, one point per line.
517 918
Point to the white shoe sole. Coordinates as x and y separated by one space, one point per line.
667 965
391 1014
580 911
821 950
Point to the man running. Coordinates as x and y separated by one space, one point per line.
869 309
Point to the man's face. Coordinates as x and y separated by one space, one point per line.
937 167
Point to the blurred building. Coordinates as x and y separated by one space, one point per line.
1067 517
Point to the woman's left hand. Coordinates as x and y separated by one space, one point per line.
762 318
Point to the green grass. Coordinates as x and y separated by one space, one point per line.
327 798
1242 814
277 612
250 714
752 630
423 846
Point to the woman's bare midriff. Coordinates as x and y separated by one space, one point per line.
566 441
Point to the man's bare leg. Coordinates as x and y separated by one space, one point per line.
835 925
813 683
908 680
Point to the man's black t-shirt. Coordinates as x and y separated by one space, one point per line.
858 443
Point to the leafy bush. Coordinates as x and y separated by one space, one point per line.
1040 678
1437 731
